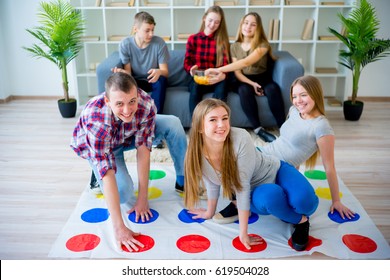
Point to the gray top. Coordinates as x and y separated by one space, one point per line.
258 67
254 167
141 60
298 138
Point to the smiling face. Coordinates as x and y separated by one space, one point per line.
216 125
303 102
123 105
249 26
211 23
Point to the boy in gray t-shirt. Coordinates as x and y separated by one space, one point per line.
145 57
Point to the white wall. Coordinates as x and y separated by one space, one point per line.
26 76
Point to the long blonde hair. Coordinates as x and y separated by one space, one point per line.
259 38
313 87
220 35
194 156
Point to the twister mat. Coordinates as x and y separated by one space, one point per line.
173 234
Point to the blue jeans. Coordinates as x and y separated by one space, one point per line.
158 91
168 127
290 197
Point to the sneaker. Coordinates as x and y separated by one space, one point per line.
227 216
300 236
266 136
158 145
178 188
94 185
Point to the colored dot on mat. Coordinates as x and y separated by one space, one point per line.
95 215
335 217
254 248
325 193
156 174
146 240
155 214
186 217
359 243
100 196
313 242
315 174
193 243
83 242
252 218
153 193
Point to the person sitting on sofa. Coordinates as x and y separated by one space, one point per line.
252 65
123 118
206 49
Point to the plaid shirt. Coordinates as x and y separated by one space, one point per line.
201 50
98 131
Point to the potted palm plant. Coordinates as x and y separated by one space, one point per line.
361 48
60 42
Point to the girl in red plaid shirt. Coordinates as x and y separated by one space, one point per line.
209 48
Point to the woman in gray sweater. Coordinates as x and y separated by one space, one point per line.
219 156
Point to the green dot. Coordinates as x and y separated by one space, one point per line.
315 174
156 174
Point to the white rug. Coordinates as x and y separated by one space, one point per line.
88 232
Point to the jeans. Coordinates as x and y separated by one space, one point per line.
158 91
197 92
168 127
290 197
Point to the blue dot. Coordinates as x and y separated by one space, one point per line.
155 214
335 217
95 215
252 218
186 217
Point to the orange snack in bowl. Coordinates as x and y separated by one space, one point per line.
201 80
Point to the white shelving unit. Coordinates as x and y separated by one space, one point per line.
173 17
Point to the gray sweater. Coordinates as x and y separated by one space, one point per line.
254 167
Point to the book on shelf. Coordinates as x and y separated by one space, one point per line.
197 2
118 4
307 32
225 3
183 36
275 29
166 38
326 70
299 3
270 28
131 3
330 3
155 4
261 2
98 3
116 37
90 38
327 38
334 102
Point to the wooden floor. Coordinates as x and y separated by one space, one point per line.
41 178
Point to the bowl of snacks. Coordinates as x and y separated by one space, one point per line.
200 77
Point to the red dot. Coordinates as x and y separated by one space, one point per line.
313 242
254 248
83 242
359 243
193 243
144 239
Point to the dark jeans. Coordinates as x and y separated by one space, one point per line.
249 103
197 91
158 90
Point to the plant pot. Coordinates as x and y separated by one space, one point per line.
67 109
352 112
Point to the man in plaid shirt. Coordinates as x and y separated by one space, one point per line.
124 118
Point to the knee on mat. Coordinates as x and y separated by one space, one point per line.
268 197
306 205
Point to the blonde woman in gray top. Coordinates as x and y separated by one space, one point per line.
223 157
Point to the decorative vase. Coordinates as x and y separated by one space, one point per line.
352 112
67 109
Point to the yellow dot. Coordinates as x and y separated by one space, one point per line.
325 193
100 196
153 193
